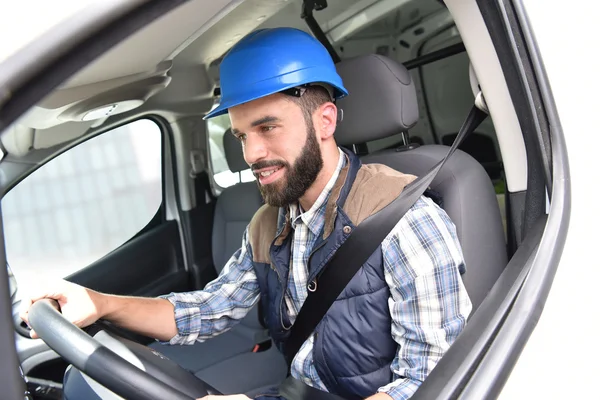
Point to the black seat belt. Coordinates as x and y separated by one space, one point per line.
365 239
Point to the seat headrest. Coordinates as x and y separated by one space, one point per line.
382 100
233 152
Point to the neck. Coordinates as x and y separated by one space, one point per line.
330 160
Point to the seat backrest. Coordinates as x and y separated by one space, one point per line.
235 206
382 102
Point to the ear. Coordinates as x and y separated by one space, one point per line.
326 120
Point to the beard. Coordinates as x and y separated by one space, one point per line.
298 177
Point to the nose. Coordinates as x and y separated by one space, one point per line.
254 149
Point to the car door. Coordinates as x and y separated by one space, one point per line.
93 214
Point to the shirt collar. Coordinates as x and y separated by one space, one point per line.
309 217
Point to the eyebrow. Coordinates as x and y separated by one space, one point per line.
260 121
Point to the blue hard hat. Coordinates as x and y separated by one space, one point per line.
269 61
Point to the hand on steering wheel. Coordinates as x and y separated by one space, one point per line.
106 367
78 305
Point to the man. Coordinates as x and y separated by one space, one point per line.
400 312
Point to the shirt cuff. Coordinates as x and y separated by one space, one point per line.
182 321
400 389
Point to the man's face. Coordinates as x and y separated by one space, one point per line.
280 148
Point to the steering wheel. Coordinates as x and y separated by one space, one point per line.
156 380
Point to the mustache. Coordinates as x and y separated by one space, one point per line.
266 164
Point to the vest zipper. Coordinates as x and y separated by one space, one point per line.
284 284
312 277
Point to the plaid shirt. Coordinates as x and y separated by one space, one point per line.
422 259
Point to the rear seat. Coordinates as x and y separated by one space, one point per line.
227 362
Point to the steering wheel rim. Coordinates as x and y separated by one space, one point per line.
96 360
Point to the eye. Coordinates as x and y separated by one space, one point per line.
241 137
267 128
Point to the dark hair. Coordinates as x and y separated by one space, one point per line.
313 98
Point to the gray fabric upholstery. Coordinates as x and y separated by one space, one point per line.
249 373
234 209
235 206
233 152
470 201
240 339
382 100
227 363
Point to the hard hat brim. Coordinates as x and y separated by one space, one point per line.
275 85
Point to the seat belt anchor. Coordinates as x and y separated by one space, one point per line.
481 104
196 162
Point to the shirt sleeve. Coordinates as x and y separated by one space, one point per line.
429 304
203 314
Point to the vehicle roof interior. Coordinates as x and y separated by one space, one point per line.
174 66
171 67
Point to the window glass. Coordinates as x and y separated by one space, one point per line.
449 97
217 127
443 87
84 203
